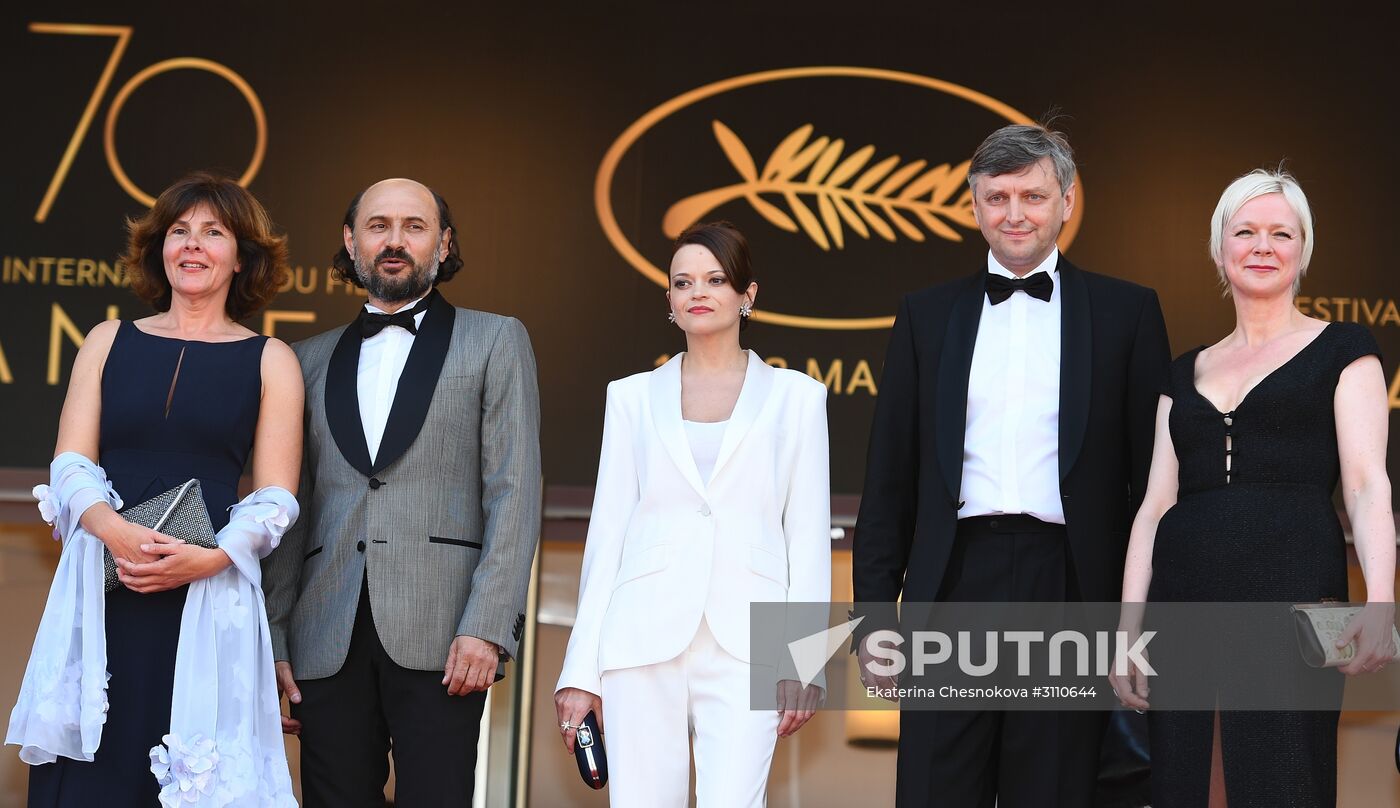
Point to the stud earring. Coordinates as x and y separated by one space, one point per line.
670 316
745 309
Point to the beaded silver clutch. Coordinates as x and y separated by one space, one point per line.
178 513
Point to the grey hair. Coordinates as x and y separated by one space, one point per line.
1257 183
1011 149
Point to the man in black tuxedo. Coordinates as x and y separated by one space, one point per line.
1010 447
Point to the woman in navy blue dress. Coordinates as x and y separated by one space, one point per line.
185 393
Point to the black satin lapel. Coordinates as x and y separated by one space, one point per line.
1076 363
954 367
417 383
343 400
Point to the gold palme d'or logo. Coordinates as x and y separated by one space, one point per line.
878 196
852 192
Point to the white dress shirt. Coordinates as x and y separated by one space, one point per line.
1011 447
705 438
382 358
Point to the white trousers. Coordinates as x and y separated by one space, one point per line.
650 714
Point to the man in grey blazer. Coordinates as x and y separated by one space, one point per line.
398 595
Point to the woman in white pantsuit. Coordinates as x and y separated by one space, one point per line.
713 493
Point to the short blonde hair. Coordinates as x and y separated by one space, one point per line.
1257 183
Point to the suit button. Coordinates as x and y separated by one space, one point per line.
993 524
360 546
375 482
705 510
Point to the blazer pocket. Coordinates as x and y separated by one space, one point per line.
457 382
458 542
313 552
641 563
768 565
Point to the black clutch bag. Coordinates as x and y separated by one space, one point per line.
589 752
178 513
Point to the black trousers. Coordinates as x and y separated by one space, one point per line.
977 759
351 721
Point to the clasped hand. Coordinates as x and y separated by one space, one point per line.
148 561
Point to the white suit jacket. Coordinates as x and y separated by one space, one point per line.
666 548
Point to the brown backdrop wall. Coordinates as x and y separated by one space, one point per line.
513 112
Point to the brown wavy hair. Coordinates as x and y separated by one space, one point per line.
262 252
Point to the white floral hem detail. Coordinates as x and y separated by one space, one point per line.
194 773
185 770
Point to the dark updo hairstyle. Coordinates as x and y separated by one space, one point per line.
343 264
262 253
730 249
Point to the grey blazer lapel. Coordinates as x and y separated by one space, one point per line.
666 416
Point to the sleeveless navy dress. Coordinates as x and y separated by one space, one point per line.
171 410
1262 529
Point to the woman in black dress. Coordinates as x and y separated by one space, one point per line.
185 393
1253 435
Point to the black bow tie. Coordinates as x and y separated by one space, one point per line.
1000 287
372 323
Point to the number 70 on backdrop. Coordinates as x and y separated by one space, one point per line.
122 33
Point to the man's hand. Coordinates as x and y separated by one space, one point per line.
287 686
868 677
471 665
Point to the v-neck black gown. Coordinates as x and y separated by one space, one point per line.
1265 530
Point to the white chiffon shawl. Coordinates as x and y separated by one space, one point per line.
225 746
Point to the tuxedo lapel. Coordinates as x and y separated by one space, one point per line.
666 416
758 382
417 383
954 369
1076 363
343 400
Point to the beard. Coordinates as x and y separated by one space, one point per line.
412 283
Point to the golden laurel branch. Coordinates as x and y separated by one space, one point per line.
883 188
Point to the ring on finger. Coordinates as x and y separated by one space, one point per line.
566 726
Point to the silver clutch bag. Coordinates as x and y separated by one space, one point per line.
178 513
1320 625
